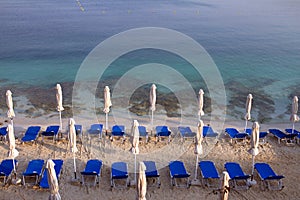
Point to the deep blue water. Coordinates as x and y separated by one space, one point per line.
255 43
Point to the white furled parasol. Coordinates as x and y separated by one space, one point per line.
107 105
200 104
10 105
254 147
248 109
59 100
135 143
72 141
198 145
224 189
152 102
12 153
52 181
142 182
294 117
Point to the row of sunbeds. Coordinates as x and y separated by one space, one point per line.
209 174
289 136
32 133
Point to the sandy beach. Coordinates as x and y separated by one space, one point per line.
282 158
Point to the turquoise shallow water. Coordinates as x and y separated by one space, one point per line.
255 44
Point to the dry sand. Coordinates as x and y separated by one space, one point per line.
282 158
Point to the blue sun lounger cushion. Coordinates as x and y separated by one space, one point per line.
178 171
163 131
92 169
235 135
209 173
96 129
57 167
186 133
6 169
237 175
152 173
31 134
267 176
51 131
143 132
119 171
34 169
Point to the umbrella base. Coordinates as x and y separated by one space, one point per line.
132 183
251 182
16 181
196 182
75 181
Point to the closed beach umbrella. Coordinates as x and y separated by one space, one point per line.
59 100
10 105
136 137
198 144
248 109
200 104
135 143
224 193
142 182
12 153
107 105
294 117
152 101
72 141
52 181
254 144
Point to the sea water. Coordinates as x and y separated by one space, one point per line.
255 44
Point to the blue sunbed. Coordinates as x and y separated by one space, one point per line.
6 169
119 171
3 133
237 175
235 135
178 171
152 173
293 132
267 175
96 129
163 131
209 132
208 172
118 131
31 134
186 133
51 131
282 136
57 167
79 131
262 135
92 169
143 132
34 169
